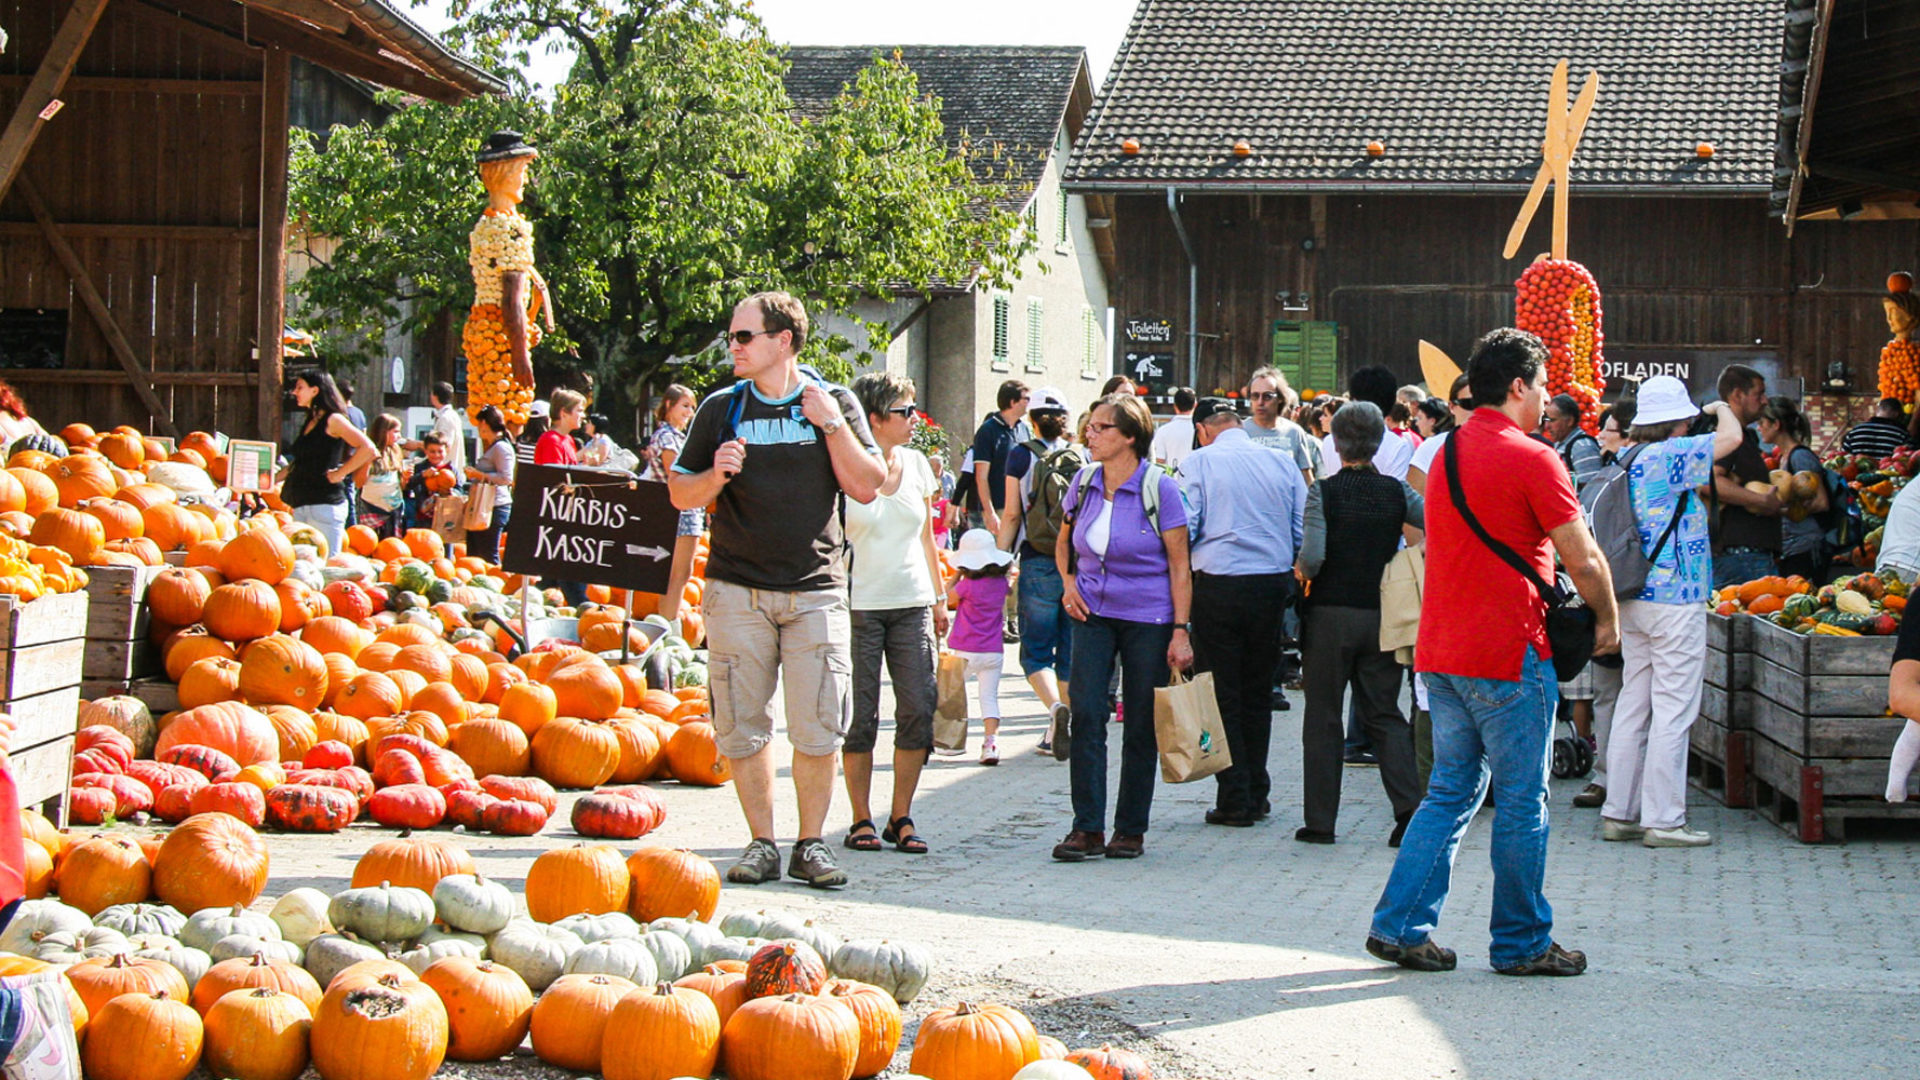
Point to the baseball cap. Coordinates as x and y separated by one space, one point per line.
1047 399
538 408
1208 407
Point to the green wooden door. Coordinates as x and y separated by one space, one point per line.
1308 354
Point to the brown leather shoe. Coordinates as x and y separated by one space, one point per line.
1080 846
1127 847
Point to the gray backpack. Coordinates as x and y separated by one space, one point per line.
1609 509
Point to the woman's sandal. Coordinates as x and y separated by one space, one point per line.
911 843
862 841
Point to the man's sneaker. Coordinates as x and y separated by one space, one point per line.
1613 830
1555 961
1591 797
758 864
1425 956
813 863
1057 733
1080 846
1678 836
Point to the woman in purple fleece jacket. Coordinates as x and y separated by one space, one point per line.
1127 585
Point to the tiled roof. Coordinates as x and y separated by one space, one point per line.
1455 90
1013 96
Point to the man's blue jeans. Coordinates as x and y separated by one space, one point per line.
1481 725
1742 566
1046 634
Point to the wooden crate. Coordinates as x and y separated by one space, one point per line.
35 669
116 609
1718 761
120 661
1727 708
159 695
1821 655
50 618
41 774
1814 798
95 689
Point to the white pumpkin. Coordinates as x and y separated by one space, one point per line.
670 954
208 925
729 948
131 919
775 927
535 951
301 915
383 912
190 963
234 945
438 944
183 478
34 919
73 946
1052 1070
592 928
330 954
478 905
696 933
898 968
624 957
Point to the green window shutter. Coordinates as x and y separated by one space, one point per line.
1036 328
1064 232
1308 354
1089 344
1289 350
1001 306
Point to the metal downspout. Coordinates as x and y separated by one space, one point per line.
1193 288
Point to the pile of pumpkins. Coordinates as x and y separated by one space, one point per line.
612 964
304 708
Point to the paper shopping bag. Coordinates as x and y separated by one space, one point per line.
950 709
1187 725
479 515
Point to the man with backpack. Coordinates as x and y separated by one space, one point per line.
1039 472
774 455
1245 508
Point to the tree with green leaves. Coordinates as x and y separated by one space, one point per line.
675 178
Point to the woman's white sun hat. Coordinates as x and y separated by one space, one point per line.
1663 399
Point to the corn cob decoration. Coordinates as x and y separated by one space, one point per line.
1900 370
1559 301
500 242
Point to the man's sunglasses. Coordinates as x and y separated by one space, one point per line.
745 337
1463 403
904 411
1266 395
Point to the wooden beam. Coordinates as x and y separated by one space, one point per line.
1853 174
31 114
110 84
1809 97
101 376
314 12
172 21
272 290
96 305
272 30
74 230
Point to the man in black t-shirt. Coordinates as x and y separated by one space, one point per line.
774 454
1746 536
998 434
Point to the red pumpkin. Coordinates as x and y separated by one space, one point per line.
530 788
625 813
213 764
408 806
468 809
311 807
785 967
1109 1063
328 754
242 800
514 817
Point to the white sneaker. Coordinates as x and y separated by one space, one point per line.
989 752
1612 829
1678 836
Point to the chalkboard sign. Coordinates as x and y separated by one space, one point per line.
585 525
33 338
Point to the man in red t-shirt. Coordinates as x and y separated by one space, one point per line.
1490 683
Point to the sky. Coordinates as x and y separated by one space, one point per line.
1098 25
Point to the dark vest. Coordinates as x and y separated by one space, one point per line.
1364 513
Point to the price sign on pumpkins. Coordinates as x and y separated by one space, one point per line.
600 528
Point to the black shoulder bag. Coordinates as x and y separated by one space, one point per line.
1570 625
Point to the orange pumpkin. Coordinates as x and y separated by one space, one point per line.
694 757
585 687
78 478
242 611
41 494
239 731
120 520
259 554
665 880
210 860
283 670
208 681
190 646
78 534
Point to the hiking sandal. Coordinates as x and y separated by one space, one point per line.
911 843
862 841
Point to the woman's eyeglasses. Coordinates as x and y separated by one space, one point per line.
1096 427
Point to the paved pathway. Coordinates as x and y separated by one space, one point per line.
1239 950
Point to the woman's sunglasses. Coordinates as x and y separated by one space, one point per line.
904 411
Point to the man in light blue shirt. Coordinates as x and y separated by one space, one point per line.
1246 505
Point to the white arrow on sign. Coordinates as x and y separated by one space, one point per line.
654 553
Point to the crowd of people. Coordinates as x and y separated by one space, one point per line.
1252 546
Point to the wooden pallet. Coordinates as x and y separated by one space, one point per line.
1813 798
1718 761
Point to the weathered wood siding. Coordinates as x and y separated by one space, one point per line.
1392 269
158 191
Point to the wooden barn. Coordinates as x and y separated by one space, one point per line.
1385 153
143 195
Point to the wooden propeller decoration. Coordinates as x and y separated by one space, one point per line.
1564 129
